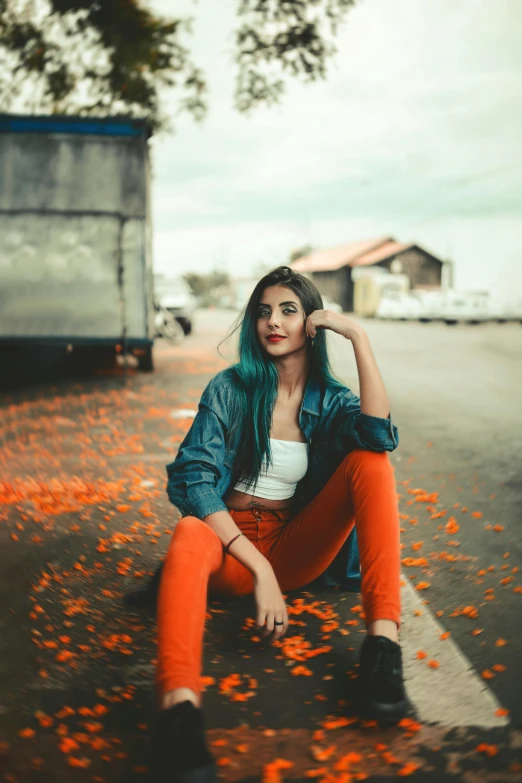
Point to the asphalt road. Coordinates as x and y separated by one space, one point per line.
84 520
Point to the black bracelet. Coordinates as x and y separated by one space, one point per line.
231 542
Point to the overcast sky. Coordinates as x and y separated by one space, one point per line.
416 134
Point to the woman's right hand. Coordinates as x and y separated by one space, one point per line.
271 605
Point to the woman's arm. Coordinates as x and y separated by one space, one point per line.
242 549
194 475
271 606
368 418
374 400
364 422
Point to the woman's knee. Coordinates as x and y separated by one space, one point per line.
368 460
196 533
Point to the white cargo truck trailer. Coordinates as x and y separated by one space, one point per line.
75 236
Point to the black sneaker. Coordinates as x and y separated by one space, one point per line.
380 687
180 750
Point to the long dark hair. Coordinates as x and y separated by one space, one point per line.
255 377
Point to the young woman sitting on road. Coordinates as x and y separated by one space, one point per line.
280 462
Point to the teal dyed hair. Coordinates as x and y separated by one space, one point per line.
255 375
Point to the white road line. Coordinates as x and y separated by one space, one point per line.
454 694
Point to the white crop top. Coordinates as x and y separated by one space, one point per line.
289 465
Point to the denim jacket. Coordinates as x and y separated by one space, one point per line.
333 425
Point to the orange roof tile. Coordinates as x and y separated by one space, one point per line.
335 257
390 248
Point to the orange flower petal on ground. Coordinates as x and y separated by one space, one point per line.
93 727
465 611
410 725
297 671
67 745
422 585
489 750
408 769
26 733
337 723
345 762
452 526
322 754
414 562
82 763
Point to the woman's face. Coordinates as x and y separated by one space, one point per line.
281 313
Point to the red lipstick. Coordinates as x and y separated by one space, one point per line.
275 338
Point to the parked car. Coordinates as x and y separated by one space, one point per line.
398 306
433 305
468 307
450 306
503 310
175 295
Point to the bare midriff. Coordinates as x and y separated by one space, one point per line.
241 501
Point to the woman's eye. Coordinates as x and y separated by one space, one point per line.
286 311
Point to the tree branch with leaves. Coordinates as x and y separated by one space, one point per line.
117 57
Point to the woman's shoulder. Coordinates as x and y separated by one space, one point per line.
220 386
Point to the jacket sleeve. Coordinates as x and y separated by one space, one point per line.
360 430
195 473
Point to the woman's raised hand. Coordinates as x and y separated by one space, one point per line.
336 322
271 606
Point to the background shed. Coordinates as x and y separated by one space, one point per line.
331 268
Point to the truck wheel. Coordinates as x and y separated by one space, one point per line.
145 362
185 324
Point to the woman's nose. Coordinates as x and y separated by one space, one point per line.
273 320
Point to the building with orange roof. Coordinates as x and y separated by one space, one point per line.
333 269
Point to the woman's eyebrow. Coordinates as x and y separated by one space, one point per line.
262 304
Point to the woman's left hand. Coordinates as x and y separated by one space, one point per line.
336 322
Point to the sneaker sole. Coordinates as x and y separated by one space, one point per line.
390 713
206 774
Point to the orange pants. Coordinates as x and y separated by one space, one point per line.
361 491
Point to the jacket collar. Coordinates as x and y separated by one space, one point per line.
312 397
